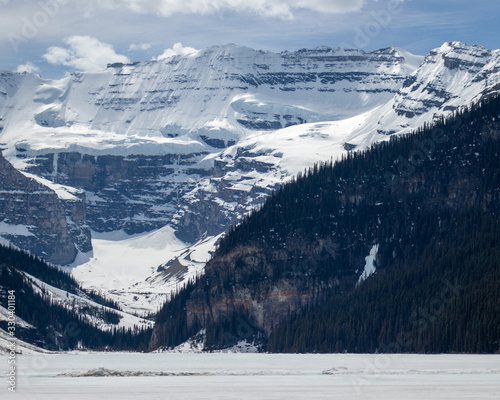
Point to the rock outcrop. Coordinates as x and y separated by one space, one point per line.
34 218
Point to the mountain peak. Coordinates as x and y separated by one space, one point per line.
229 48
461 48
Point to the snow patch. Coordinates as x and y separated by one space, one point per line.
369 264
241 347
196 345
15 230
133 269
62 191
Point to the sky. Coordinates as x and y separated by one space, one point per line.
54 37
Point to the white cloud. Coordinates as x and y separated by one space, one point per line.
139 47
269 8
84 53
28 67
177 50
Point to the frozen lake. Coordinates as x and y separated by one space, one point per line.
253 376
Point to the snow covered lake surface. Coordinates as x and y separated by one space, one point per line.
170 376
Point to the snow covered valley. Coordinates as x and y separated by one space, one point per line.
249 376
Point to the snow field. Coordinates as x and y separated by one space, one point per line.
262 376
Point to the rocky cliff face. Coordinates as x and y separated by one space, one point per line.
134 193
453 66
34 218
265 287
448 76
146 192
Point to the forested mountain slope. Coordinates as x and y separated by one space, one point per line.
424 207
54 313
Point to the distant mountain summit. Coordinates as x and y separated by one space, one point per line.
198 102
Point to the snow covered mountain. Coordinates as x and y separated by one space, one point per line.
170 152
182 104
